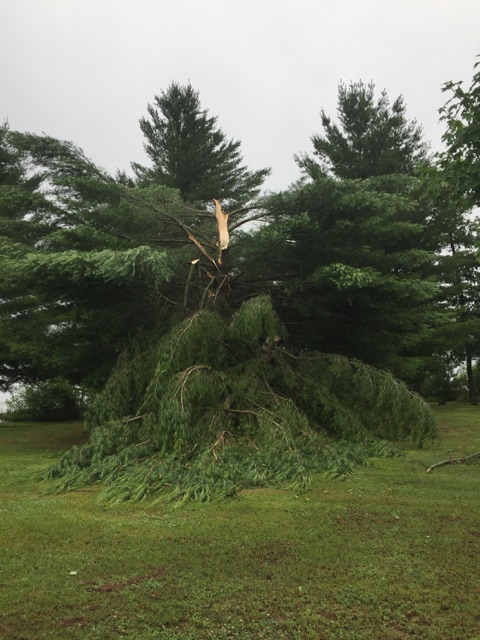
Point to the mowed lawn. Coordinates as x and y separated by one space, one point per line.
393 552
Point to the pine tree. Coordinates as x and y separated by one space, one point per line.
349 254
374 138
206 396
190 153
24 223
347 271
93 269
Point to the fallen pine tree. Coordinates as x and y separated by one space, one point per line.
220 403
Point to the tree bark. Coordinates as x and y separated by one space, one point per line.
472 387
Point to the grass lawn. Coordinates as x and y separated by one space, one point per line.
391 553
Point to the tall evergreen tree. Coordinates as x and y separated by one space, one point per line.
189 152
349 255
24 224
373 137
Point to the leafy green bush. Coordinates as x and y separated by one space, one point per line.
47 401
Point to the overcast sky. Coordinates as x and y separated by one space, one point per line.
85 70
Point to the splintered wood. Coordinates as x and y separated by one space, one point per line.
222 228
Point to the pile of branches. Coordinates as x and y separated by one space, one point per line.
219 404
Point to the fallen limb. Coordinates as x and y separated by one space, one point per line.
454 461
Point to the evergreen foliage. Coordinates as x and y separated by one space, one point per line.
217 405
96 267
349 268
25 222
190 153
374 138
206 396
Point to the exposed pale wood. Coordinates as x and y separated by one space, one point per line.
135 418
222 228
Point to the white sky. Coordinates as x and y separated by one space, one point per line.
84 70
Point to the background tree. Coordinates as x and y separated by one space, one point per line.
373 138
106 260
461 160
189 152
47 401
347 270
458 185
91 274
350 254
460 273
24 223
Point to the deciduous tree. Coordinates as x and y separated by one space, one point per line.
461 160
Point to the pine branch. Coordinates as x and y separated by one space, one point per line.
199 246
259 216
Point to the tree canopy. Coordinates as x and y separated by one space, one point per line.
373 137
461 160
72 295
457 190
189 152
348 269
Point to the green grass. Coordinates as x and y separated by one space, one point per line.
391 553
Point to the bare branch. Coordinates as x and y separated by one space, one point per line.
454 461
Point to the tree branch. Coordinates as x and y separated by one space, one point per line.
454 461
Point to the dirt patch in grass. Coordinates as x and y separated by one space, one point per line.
73 621
108 587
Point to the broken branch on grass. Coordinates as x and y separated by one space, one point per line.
454 461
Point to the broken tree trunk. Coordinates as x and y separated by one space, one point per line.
222 229
223 241
219 277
